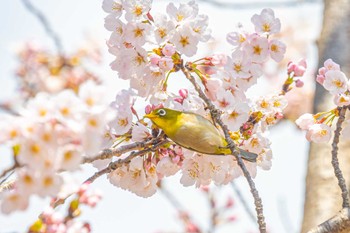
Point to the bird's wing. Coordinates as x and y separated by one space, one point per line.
198 134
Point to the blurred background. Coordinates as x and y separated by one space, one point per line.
80 24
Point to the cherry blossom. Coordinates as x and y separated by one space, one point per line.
266 22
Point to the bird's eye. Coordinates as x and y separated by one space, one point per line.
161 112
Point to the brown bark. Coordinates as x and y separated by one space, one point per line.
323 197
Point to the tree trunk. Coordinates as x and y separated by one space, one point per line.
323 196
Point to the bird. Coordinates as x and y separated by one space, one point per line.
194 132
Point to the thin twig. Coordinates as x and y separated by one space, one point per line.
335 162
243 201
110 152
171 198
184 215
5 172
43 20
114 165
216 115
7 108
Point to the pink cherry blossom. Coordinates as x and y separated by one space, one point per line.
113 6
305 121
277 50
319 133
185 41
167 167
335 82
136 10
298 68
258 49
266 22
341 100
329 64
12 201
168 50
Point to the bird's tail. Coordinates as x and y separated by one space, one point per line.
246 155
249 156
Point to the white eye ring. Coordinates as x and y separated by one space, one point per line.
161 112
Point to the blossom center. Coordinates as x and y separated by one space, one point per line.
138 32
93 122
138 10
337 83
162 32
238 68
264 104
123 122
233 115
48 181
266 27
323 132
35 149
179 17
184 41
274 48
13 134
257 49
28 179
65 111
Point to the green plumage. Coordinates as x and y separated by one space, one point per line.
194 132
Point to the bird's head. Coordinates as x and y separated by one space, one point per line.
164 117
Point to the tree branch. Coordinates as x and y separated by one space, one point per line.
335 162
43 20
336 224
5 172
216 116
110 152
114 165
7 108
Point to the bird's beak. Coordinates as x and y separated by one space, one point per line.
150 116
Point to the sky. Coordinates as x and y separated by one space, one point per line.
281 189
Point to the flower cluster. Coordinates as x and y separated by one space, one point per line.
165 35
51 134
42 71
149 48
318 126
51 221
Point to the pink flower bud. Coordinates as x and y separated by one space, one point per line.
166 63
208 70
83 188
232 218
148 109
179 100
245 126
154 59
168 50
320 79
229 203
183 93
192 228
298 69
299 83
322 71
176 159
205 188
279 115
